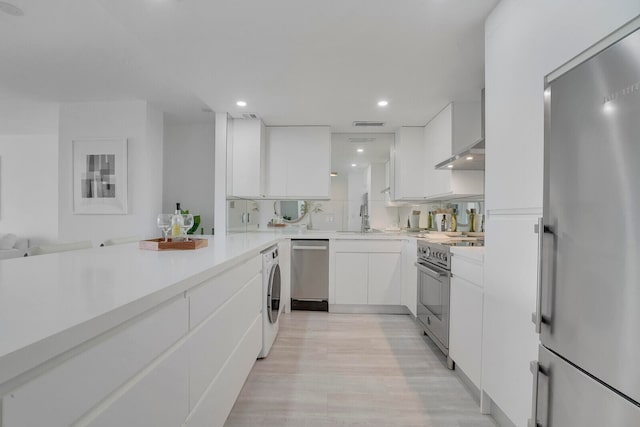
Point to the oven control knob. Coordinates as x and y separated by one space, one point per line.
427 251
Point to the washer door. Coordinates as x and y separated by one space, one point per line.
273 293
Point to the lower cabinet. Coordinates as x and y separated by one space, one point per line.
368 272
465 333
466 310
352 279
183 362
384 279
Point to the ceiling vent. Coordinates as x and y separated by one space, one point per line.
360 140
360 123
245 115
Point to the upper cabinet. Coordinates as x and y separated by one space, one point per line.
292 162
407 164
455 127
245 158
298 160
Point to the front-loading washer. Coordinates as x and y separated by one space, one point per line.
271 303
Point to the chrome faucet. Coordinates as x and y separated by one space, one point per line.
364 214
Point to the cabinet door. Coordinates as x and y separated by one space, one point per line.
351 278
246 158
438 134
309 162
409 294
276 163
465 331
298 162
409 164
509 340
385 279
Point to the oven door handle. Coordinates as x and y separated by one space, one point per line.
429 271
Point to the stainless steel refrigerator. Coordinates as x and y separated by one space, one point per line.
588 370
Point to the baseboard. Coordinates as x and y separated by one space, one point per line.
500 417
468 384
367 309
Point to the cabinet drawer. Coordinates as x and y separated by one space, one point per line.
468 270
213 342
212 293
160 398
77 384
368 246
219 397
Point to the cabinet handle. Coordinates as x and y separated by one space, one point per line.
248 217
536 370
536 317
243 214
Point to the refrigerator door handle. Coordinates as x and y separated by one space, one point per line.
536 370
536 317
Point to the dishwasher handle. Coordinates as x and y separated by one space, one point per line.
310 248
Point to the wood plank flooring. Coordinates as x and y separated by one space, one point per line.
328 370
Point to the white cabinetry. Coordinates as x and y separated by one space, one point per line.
385 274
407 164
298 162
367 272
465 333
351 277
246 159
438 144
182 362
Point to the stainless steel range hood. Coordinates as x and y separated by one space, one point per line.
472 156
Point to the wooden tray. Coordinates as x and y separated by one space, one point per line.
276 225
161 245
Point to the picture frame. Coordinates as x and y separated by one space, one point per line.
100 176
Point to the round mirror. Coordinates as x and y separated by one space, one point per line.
291 211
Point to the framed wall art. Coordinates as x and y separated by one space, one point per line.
100 176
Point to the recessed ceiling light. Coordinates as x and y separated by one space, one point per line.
11 9
360 150
449 166
241 103
353 165
383 103
469 157
333 174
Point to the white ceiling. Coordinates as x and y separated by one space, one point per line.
323 62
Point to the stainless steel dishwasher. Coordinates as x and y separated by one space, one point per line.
310 275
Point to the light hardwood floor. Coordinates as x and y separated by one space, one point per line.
353 370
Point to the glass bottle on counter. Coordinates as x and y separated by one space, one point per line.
177 222
443 223
430 221
472 221
454 221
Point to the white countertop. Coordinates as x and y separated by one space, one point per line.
52 303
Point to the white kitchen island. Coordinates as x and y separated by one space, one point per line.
122 336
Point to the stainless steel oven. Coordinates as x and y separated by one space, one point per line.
434 284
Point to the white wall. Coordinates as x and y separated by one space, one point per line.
29 170
525 40
142 126
189 169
